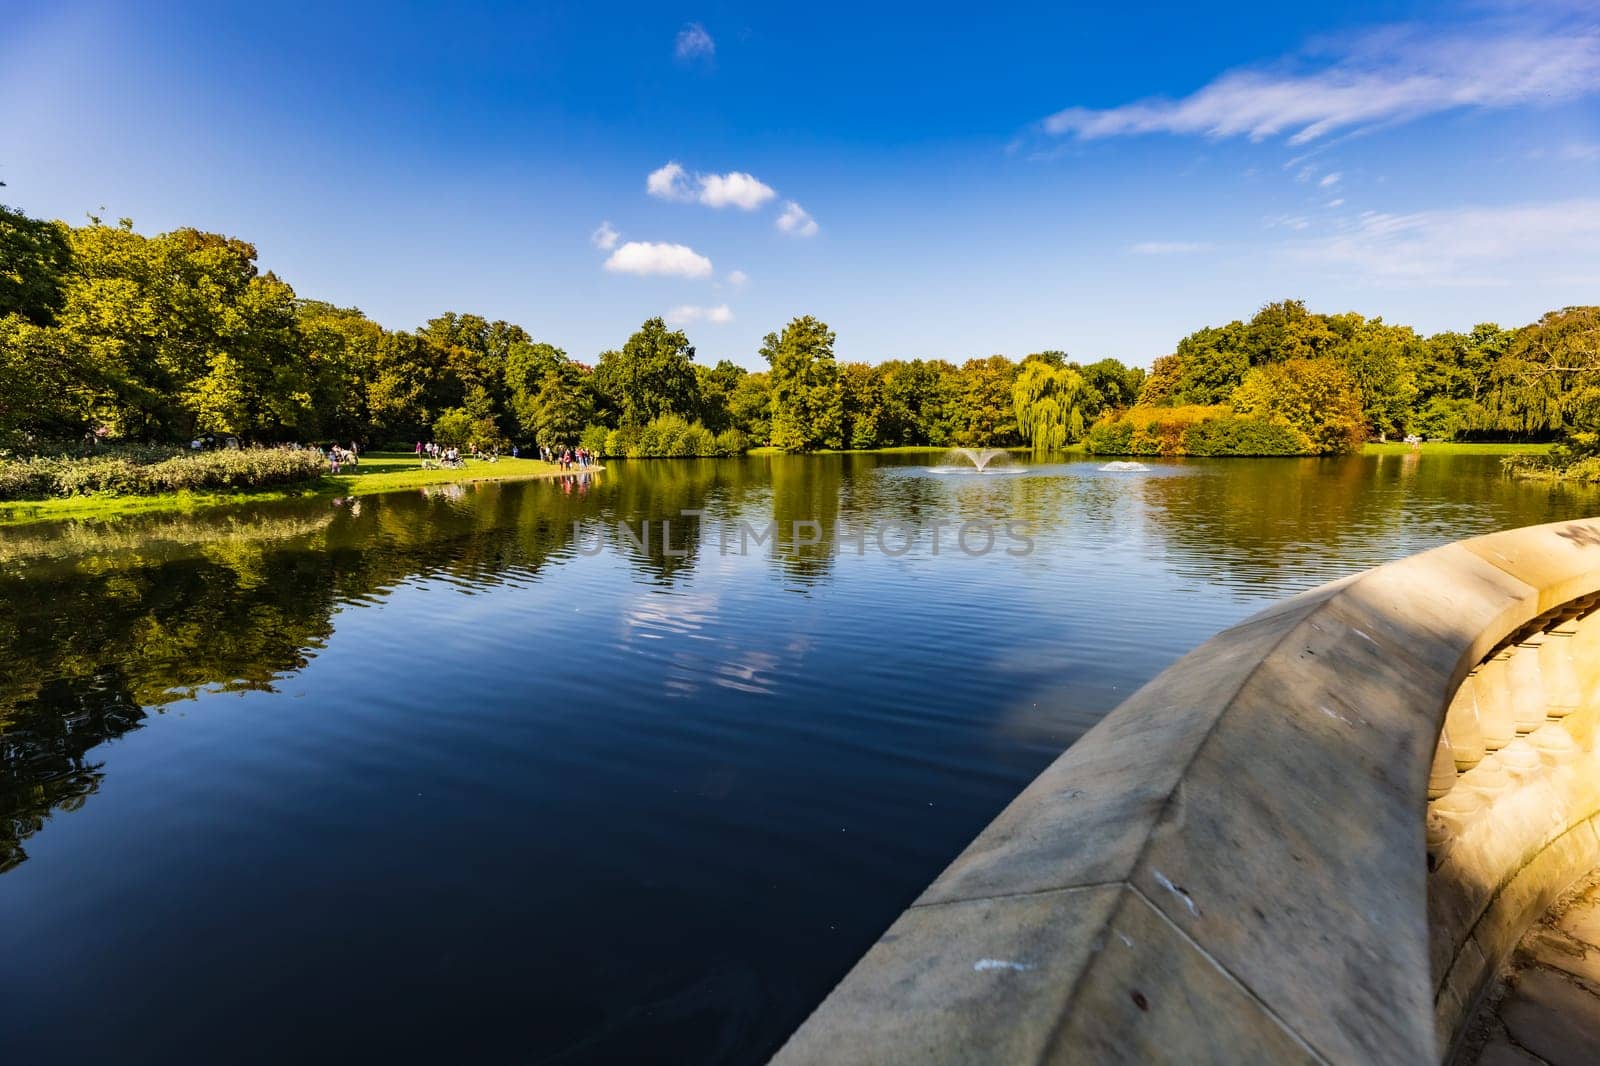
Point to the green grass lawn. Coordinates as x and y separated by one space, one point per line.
377 472
1452 448
384 471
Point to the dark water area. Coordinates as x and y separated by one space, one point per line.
425 775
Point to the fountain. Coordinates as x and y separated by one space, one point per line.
1121 465
979 461
980 458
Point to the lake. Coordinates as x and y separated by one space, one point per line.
437 775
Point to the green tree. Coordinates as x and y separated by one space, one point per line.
406 392
1549 378
1049 404
1211 362
1113 386
861 404
41 383
807 399
1286 330
340 349
651 375
750 406
556 415
985 406
1382 361
35 257
717 385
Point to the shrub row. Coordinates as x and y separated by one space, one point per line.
1194 430
666 437
46 478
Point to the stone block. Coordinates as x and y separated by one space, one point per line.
977 981
1561 560
1553 1018
1152 995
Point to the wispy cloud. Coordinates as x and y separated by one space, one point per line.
605 237
649 257
720 315
738 278
1167 247
1330 180
693 42
796 221
1465 246
733 189
1393 75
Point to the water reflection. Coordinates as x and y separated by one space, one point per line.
563 766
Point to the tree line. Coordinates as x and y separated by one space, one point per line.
161 338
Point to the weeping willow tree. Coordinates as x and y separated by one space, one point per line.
1549 379
1049 402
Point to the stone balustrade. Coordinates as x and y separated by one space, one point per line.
1513 794
1312 839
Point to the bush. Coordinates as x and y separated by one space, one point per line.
730 442
1110 437
1195 430
649 442
1315 396
595 439
1244 436
671 436
45 478
622 441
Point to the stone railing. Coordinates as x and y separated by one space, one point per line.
1281 849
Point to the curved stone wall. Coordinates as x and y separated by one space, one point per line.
1241 862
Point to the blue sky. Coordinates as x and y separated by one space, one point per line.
965 181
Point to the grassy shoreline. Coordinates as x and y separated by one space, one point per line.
1452 448
398 471
377 473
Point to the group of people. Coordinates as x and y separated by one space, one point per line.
340 456
431 453
568 457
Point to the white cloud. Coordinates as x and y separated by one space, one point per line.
1167 247
693 42
1580 152
1465 246
735 189
1394 75
1330 180
796 221
1339 202
720 315
670 182
605 238
738 279
649 257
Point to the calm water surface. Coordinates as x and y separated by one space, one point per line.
416 777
